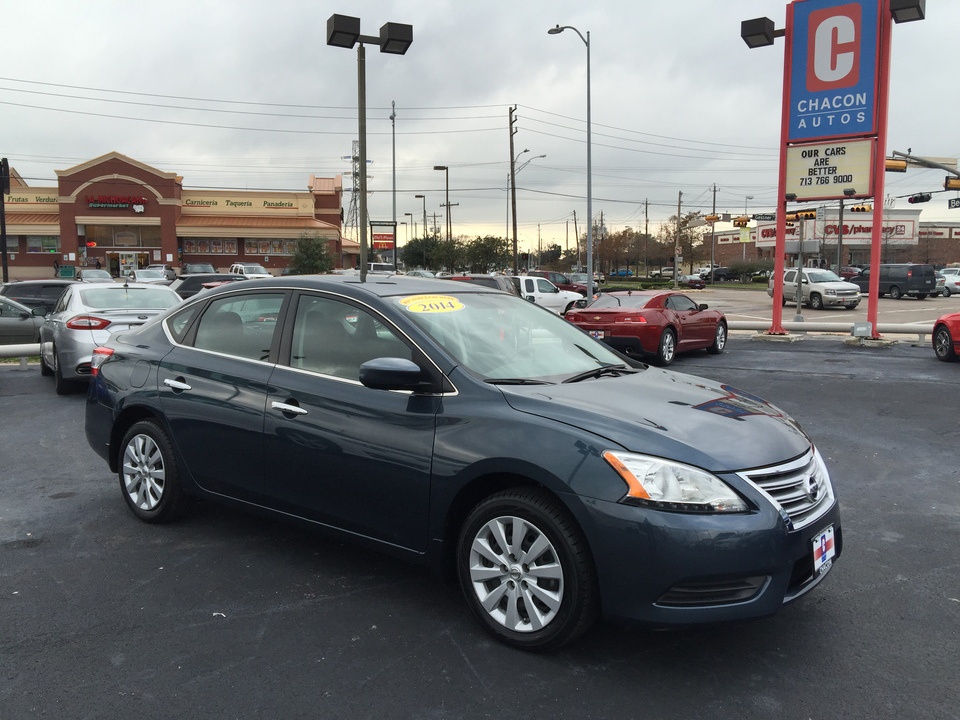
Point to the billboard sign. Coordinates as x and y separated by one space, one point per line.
821 171
834 69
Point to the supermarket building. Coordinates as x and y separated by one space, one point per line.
123 214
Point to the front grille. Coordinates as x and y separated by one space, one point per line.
712 592
801 487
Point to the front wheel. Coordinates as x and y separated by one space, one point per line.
895 293
526 570
667 349
149 477
946 292
719 340
816 302
943 345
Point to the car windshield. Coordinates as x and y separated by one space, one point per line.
821 276
620 301
147 273
96 274
578 278
141 298
502 338
255 268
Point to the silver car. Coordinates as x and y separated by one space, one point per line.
148 275
821 289
85 317
18 324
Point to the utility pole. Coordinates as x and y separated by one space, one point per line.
676 245
393 133
577 234
646 235
713 234
840 239
513 190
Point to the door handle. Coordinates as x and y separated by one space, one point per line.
176 385
286 408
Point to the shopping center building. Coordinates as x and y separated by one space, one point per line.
121 214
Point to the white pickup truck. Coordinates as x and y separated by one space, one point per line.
543 292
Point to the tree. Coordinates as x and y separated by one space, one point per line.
420 253
488 253
312 256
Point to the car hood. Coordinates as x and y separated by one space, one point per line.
673 415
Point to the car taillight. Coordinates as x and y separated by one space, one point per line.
99 357
632 318
87 322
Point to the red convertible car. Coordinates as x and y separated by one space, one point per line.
655 324
946 337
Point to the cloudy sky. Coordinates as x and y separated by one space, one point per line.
247 95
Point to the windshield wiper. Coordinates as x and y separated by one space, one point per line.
517 381
600 372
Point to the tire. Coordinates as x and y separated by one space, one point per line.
943 345
895 293
61 385
149 477
532 602
719 340
667 348
816 302
946 292
921 296
45 369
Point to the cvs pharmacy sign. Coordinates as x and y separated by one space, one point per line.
833 68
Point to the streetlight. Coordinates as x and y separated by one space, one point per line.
746 215
586 41
394 39
514 171
446 172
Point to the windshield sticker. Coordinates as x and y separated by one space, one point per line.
431 304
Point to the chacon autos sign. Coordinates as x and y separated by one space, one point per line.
833 69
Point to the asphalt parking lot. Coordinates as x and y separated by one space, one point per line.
227 615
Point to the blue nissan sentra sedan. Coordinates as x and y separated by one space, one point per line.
460 426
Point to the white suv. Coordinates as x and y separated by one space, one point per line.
821 288
249 270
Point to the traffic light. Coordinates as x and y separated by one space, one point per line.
951 183
790 217
711 218
806 214
895 165
741 221
919 198
862 208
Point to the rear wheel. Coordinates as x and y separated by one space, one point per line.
667 349
719 340
45 369
946 292
149 478
921 296
895 293
61 385
943 344
526 571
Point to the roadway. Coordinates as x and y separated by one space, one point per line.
227 615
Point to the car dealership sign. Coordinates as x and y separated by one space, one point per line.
833 69
820 171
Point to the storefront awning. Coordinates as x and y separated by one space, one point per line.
216 226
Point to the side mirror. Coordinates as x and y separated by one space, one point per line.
530 298
702 306
580 303
390 373
40 311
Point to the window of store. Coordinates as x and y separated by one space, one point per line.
123 236
209 246
43 244
271 246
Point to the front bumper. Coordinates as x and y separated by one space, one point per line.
680 569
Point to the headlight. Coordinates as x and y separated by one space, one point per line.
671 485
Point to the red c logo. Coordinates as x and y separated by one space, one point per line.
833 48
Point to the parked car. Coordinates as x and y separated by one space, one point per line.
482 430
421 273
723 274
85 317
561 281
946 337
664 272
951 281
848 272
189 285
197 269
19 325
941 284
36 293
693 282
543 292
821 289
497 282
655 324
148 277
249 270
167 271
93 275
622 273
900 279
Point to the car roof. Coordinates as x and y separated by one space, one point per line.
376 285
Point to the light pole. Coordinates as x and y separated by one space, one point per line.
514 171
446 172
586 41
744 245
410 215
395 38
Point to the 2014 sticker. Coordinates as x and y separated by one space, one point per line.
432 304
